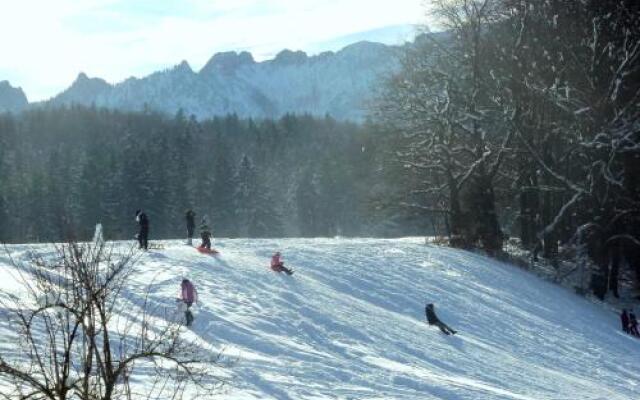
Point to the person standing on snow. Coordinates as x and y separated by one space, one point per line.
633 324
143 233
624 319
278 265
205 234
190 216
433 319
188 295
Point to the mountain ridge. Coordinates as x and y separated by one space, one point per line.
12 99
336 83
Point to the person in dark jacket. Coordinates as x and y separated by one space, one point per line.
433 319
633 324
143 234
205 234
624 319
190 216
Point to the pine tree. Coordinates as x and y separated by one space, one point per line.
255 209
245 181
222 194
308 204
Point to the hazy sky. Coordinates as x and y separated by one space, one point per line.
46 43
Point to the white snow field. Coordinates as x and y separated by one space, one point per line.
350 323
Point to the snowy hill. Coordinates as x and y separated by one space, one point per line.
349 324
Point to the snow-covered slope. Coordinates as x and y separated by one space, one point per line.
349 324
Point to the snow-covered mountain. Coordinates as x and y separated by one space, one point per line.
349 324
339 84
11 99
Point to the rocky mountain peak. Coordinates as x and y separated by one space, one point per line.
12 99
84 90
227 62
288 57
184 67
233 82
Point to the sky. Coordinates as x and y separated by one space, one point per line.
46 43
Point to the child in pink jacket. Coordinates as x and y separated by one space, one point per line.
188 295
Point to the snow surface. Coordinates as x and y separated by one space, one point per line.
349 324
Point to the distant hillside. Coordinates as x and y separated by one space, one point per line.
339 84
331 83
11 98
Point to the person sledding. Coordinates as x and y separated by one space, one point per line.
205 234
433 319
278 265
188 296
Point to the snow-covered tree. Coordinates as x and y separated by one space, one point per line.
572 73
441 102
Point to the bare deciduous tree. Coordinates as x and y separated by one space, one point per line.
442 102
579 89
81 333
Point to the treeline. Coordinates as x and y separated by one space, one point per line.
63 170
523 119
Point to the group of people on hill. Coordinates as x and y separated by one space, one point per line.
205 232
189 296
629 322
188 292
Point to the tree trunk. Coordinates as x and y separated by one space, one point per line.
529 207
456 220
490 232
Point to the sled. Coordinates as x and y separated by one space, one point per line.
204 250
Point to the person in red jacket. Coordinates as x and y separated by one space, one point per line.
278 265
